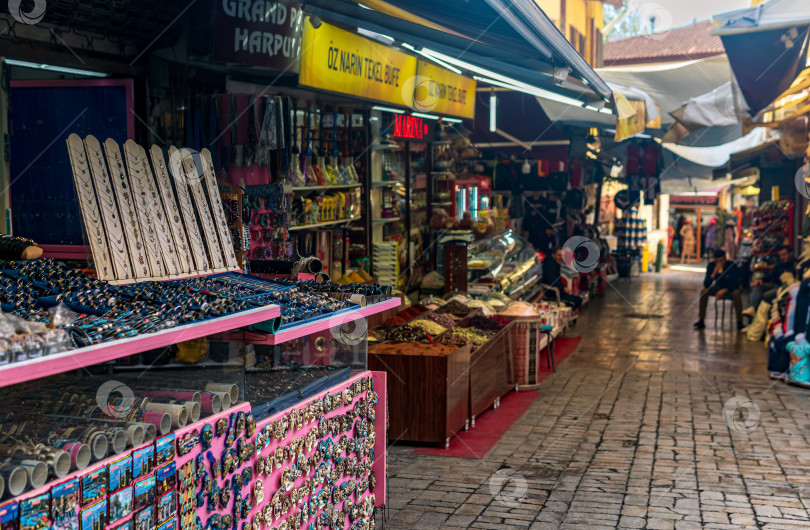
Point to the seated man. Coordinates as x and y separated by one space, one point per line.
767 287
722 278
552 276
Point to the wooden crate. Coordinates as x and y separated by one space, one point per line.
490 373
428 396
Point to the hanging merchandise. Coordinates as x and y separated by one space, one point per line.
772 227
631 230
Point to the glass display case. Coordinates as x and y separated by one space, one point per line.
505 263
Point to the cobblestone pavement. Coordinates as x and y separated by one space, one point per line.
629 433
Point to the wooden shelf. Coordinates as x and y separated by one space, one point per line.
377 222
386 184
326 223
304 189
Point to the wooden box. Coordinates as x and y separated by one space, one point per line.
490 373
428 395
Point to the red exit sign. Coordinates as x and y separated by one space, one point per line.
410 127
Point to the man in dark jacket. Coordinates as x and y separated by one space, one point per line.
722 278
552 267
767 287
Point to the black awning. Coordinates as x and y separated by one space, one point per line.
476 33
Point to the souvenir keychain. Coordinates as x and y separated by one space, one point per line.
215 465
221 427
240 422
207 436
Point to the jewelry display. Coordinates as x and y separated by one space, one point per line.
150 209
96 236
216 207
126 202
181 181
110 217
194 177
171 210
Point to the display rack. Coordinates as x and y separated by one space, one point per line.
74 359
295 332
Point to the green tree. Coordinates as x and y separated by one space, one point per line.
630 25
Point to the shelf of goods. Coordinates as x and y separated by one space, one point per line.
295 332
325 223
314 464
31 369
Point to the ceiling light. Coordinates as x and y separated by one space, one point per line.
388 109
51 68
426 116
452 120
434 59
493 112
517 86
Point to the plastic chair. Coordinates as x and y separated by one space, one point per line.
723 305
549 330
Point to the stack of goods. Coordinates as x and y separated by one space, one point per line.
631 230
91 311
298 305
475 331
104 312
772 227
454 307
386 265
361 293
326 208
52 427
358 275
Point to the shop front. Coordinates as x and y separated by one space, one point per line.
243 218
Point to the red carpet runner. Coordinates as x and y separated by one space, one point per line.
492 424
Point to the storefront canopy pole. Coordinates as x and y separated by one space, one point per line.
538 19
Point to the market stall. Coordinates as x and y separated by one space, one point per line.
134 443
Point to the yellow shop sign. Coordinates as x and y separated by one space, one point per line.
336 60
440 91
339 61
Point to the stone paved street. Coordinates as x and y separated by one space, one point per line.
629 433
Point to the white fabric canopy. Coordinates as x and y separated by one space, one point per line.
672 84
721 107
773 14
719 155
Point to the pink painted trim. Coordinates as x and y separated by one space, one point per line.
306 330
71 360
128 85
381 441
